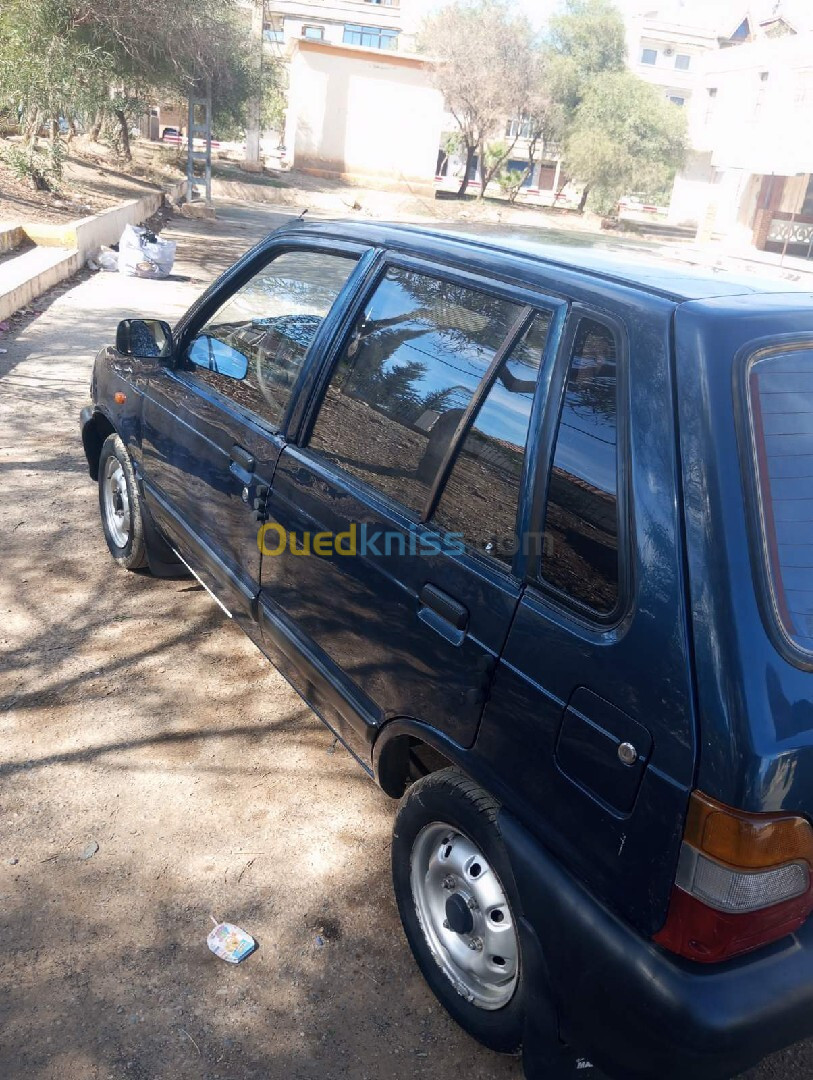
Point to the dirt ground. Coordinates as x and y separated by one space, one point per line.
156 770
92 181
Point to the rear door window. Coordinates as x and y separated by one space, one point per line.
405 380
780 400
580 557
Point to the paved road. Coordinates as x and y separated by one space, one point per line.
135 717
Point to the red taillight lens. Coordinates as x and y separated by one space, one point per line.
743 881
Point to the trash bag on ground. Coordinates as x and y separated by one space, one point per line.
107 260
143 254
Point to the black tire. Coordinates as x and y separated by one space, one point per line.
132 553
450 797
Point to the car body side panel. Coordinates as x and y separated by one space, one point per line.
756 707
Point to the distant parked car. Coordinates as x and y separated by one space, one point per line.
530 528
172 135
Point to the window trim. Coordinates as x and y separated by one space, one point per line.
746 358
557 599
530 301
256 260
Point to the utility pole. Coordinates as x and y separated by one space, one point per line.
252 161
200 128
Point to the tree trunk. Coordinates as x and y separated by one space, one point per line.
464 186
125 135
583 201
96 126
481 150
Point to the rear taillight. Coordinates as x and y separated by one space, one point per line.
743 880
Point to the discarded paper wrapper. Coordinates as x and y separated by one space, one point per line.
230 943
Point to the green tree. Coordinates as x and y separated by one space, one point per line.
625 137
485 64
587 39
107 58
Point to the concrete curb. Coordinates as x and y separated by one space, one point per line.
72 244
38 271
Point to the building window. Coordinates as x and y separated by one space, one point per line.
682 62
519 128
371 37
677 100
273 33
313 33
712 101
649 56
764 76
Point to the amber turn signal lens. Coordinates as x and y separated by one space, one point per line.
119 397
747 841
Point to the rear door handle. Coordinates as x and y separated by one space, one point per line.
241 465
449 609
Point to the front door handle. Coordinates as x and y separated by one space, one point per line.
241 465
449 609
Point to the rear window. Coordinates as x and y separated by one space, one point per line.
780 393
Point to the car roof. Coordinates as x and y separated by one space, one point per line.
628 262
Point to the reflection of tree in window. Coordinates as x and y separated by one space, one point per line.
413 363
273 320
481 497
581 528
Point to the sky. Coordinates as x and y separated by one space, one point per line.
538 11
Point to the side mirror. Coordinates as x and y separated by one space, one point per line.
144 337
215 355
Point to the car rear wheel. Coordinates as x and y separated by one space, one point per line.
456 899
120 506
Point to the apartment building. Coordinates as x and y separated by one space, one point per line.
748 175
665 47
369 24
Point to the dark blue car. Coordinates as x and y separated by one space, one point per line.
531 529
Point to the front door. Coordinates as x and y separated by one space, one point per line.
390 549
212 425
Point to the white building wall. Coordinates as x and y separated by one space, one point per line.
362 115
751 117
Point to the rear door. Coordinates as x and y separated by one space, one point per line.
391 554
212 425
590 720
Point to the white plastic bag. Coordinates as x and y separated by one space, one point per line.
142 255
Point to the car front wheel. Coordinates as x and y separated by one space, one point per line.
120 506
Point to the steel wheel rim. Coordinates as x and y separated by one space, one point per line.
116 502
481 962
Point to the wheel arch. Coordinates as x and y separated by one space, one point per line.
407 749
96 427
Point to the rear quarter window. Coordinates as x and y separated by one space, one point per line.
780 410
